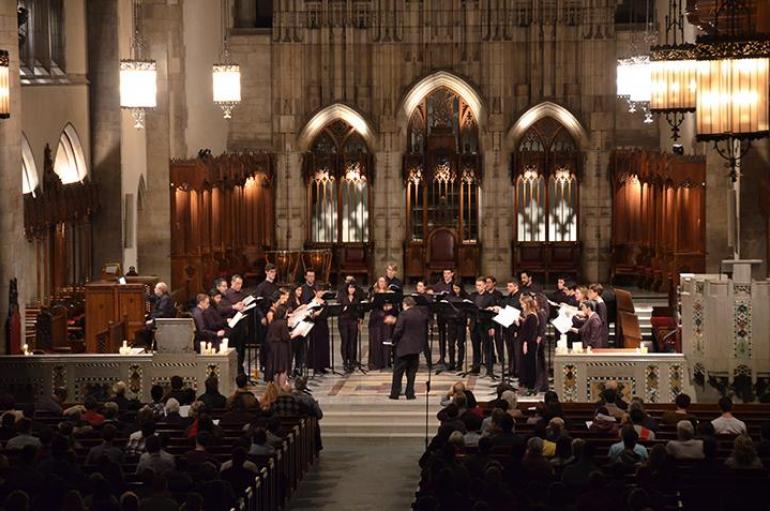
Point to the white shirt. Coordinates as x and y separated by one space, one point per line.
728 426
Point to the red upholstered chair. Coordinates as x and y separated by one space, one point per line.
442 250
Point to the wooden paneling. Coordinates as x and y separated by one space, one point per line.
658 223
222 218
112 302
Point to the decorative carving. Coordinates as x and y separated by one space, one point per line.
569 392
742 321
135 378
651 381
675 380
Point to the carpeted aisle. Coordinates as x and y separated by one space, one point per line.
360 473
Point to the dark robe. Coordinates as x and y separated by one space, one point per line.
601 310
308 293
318 353
592 331
379 353
279 339
560 296
203 329
541 370
509 334
162 307
527 334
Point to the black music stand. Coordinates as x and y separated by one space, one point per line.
360 309
469 310
333 310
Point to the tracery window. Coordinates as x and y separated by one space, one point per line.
70 161
442 168
545 171
338 170
41 37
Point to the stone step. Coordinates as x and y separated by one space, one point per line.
378 428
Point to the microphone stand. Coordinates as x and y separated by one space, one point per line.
359 310
332 314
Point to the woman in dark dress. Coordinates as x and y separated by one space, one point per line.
295 299
457 323
380 329
279 339
318 356
348 326
527 336
541 370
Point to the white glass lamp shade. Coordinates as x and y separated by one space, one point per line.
5 85
732 98
640 83
226 86
674 79
624 78
138 83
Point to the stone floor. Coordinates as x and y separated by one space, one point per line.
356 473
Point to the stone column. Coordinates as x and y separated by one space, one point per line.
15 253
104 99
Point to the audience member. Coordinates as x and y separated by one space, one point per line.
302 394
604 422
237 474
672 417
171 412
159 498
212 397
260 445
91 414
158 405
155 458
575 475
726 424
685 447
124 404
744 456
185 396
472 424
535 465
636 418
137 439
249 399
107 448
53 403
23 436
628 451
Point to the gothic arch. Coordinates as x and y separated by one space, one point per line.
326 115
30 175
436 80
547 109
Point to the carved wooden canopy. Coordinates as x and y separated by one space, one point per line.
224 171
657 168
57 203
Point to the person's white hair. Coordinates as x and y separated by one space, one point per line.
120 387
457 439
684 430
511 398
535 445
172 405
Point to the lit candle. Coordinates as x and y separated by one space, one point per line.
203 348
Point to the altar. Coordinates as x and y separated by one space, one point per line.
655 377
29 376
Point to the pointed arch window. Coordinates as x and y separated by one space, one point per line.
29 174
545 178
70 161
338 171
442 168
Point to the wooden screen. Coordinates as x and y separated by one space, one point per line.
222 218
658 221
339 171
442 175
57 219
545 174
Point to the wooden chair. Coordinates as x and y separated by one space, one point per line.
631 332
442 251
354 259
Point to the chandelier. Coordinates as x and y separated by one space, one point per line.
733 79
226 76
634 75
673 72
138 77
5 85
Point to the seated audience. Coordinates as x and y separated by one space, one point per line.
107 448
472 424
23 436
53 403
535 465
185 396
249 399
302 394
672 417
237 475
575 475
137 440
726 424
211 397
260 445
636 418
157 405
612 402
457 389
744 456
91 414
604 422
155 458
124 404
685 447
628 451
200 454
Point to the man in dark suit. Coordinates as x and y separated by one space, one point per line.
204 329
240 332
408 340
482 330
443 287
308 288
162 304
591 332
528 283
267 290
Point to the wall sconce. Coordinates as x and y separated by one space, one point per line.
5 85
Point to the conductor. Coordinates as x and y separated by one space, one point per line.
408 339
